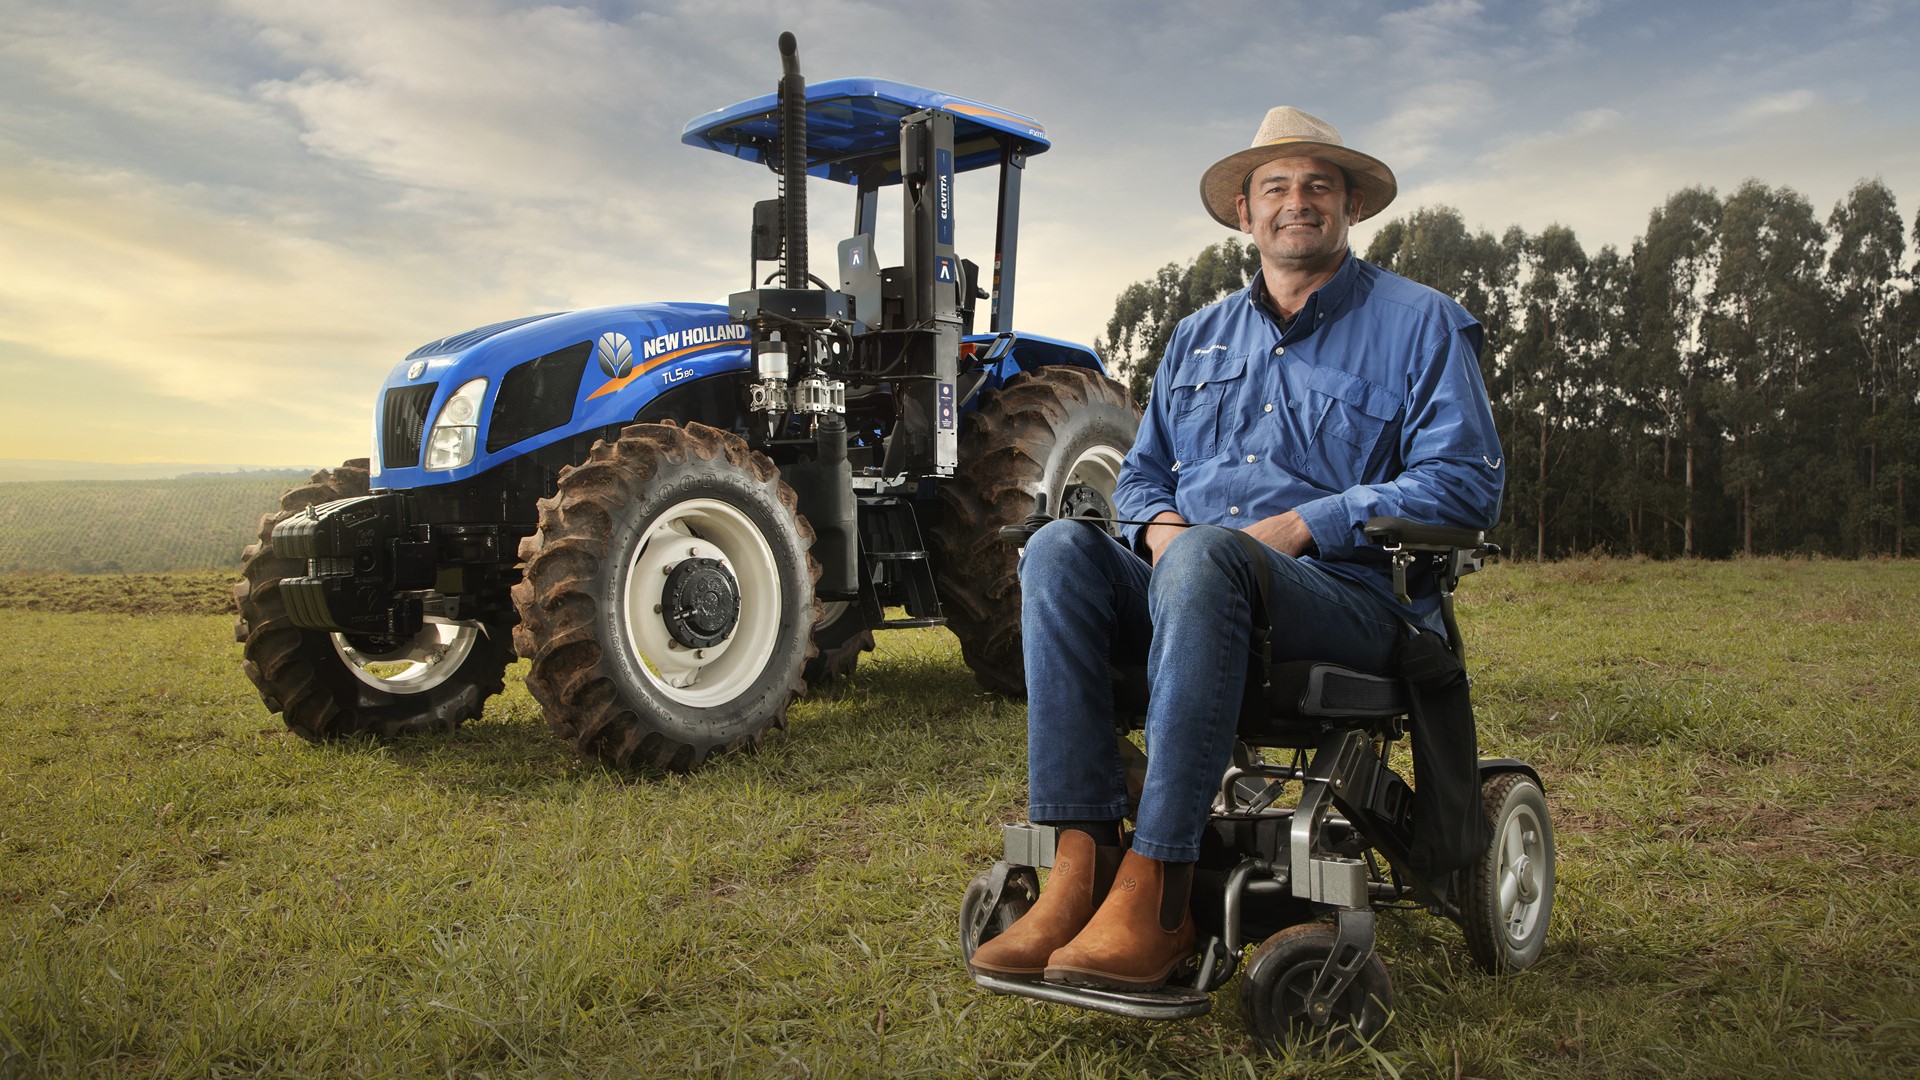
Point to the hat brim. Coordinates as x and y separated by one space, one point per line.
1220 185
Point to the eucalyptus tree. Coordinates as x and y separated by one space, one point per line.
1662 377
1552 376
1866 279
1764 324
1610 453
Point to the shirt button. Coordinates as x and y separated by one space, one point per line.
1176 466
1279 350
1269 406
1202 386
1251 459
1234 510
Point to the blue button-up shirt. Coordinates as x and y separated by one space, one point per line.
1370 402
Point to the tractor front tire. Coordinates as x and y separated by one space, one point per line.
331 686
667 604
1061 430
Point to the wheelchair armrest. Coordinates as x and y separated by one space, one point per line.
1418 536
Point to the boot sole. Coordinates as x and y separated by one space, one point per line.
1009 974
1101 980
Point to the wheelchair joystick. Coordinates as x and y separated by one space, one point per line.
1035 521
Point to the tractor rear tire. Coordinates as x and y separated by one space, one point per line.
667 604
840 638
332 686
1062 430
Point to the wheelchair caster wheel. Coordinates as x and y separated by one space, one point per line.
1508 894
1279 980
995 900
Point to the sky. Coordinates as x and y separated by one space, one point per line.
223 221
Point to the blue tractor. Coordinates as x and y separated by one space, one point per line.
683 514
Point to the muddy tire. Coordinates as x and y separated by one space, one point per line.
838 641
1062 430
331 686
668 604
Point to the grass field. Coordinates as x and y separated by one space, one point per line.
1732 754
133 526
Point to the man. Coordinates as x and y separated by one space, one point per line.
1327 392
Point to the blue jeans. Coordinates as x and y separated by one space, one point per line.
1086 599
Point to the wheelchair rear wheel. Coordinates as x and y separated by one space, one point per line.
1280 977
1509 892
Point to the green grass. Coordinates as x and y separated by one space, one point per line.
1732 753
132 526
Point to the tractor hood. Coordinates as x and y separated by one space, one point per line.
527 383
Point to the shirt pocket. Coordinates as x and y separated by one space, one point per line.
1199 394
1349 408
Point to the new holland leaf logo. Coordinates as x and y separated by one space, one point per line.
615 354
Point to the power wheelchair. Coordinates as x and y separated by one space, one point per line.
1310 835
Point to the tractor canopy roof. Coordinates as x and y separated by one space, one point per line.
853 127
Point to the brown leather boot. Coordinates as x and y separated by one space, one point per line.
1124 946
1081 873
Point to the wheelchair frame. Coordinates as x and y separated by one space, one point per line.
1280 869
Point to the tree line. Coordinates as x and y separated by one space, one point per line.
1744 379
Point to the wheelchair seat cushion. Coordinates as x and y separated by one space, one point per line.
1319 689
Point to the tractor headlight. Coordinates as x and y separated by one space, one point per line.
456 430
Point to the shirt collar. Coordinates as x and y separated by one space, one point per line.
1320 303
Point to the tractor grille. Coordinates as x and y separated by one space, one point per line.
537 396
403 424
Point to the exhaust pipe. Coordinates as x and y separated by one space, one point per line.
793 164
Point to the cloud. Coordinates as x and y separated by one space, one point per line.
1773 107
229 208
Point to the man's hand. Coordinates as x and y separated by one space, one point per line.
1159 536
1286 533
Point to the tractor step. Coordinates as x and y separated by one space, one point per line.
913 624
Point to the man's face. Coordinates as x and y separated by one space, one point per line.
1298 210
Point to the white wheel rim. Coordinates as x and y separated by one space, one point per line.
419 664
711 676
1523 873
1099 469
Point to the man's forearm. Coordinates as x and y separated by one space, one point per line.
1158 535
1286 533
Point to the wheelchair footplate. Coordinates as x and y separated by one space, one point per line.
1187 995
1166 1003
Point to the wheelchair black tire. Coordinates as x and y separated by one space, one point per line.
1273 992
1507 935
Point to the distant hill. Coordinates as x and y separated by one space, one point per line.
18 469
135 526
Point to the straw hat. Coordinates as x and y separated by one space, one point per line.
1288 132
